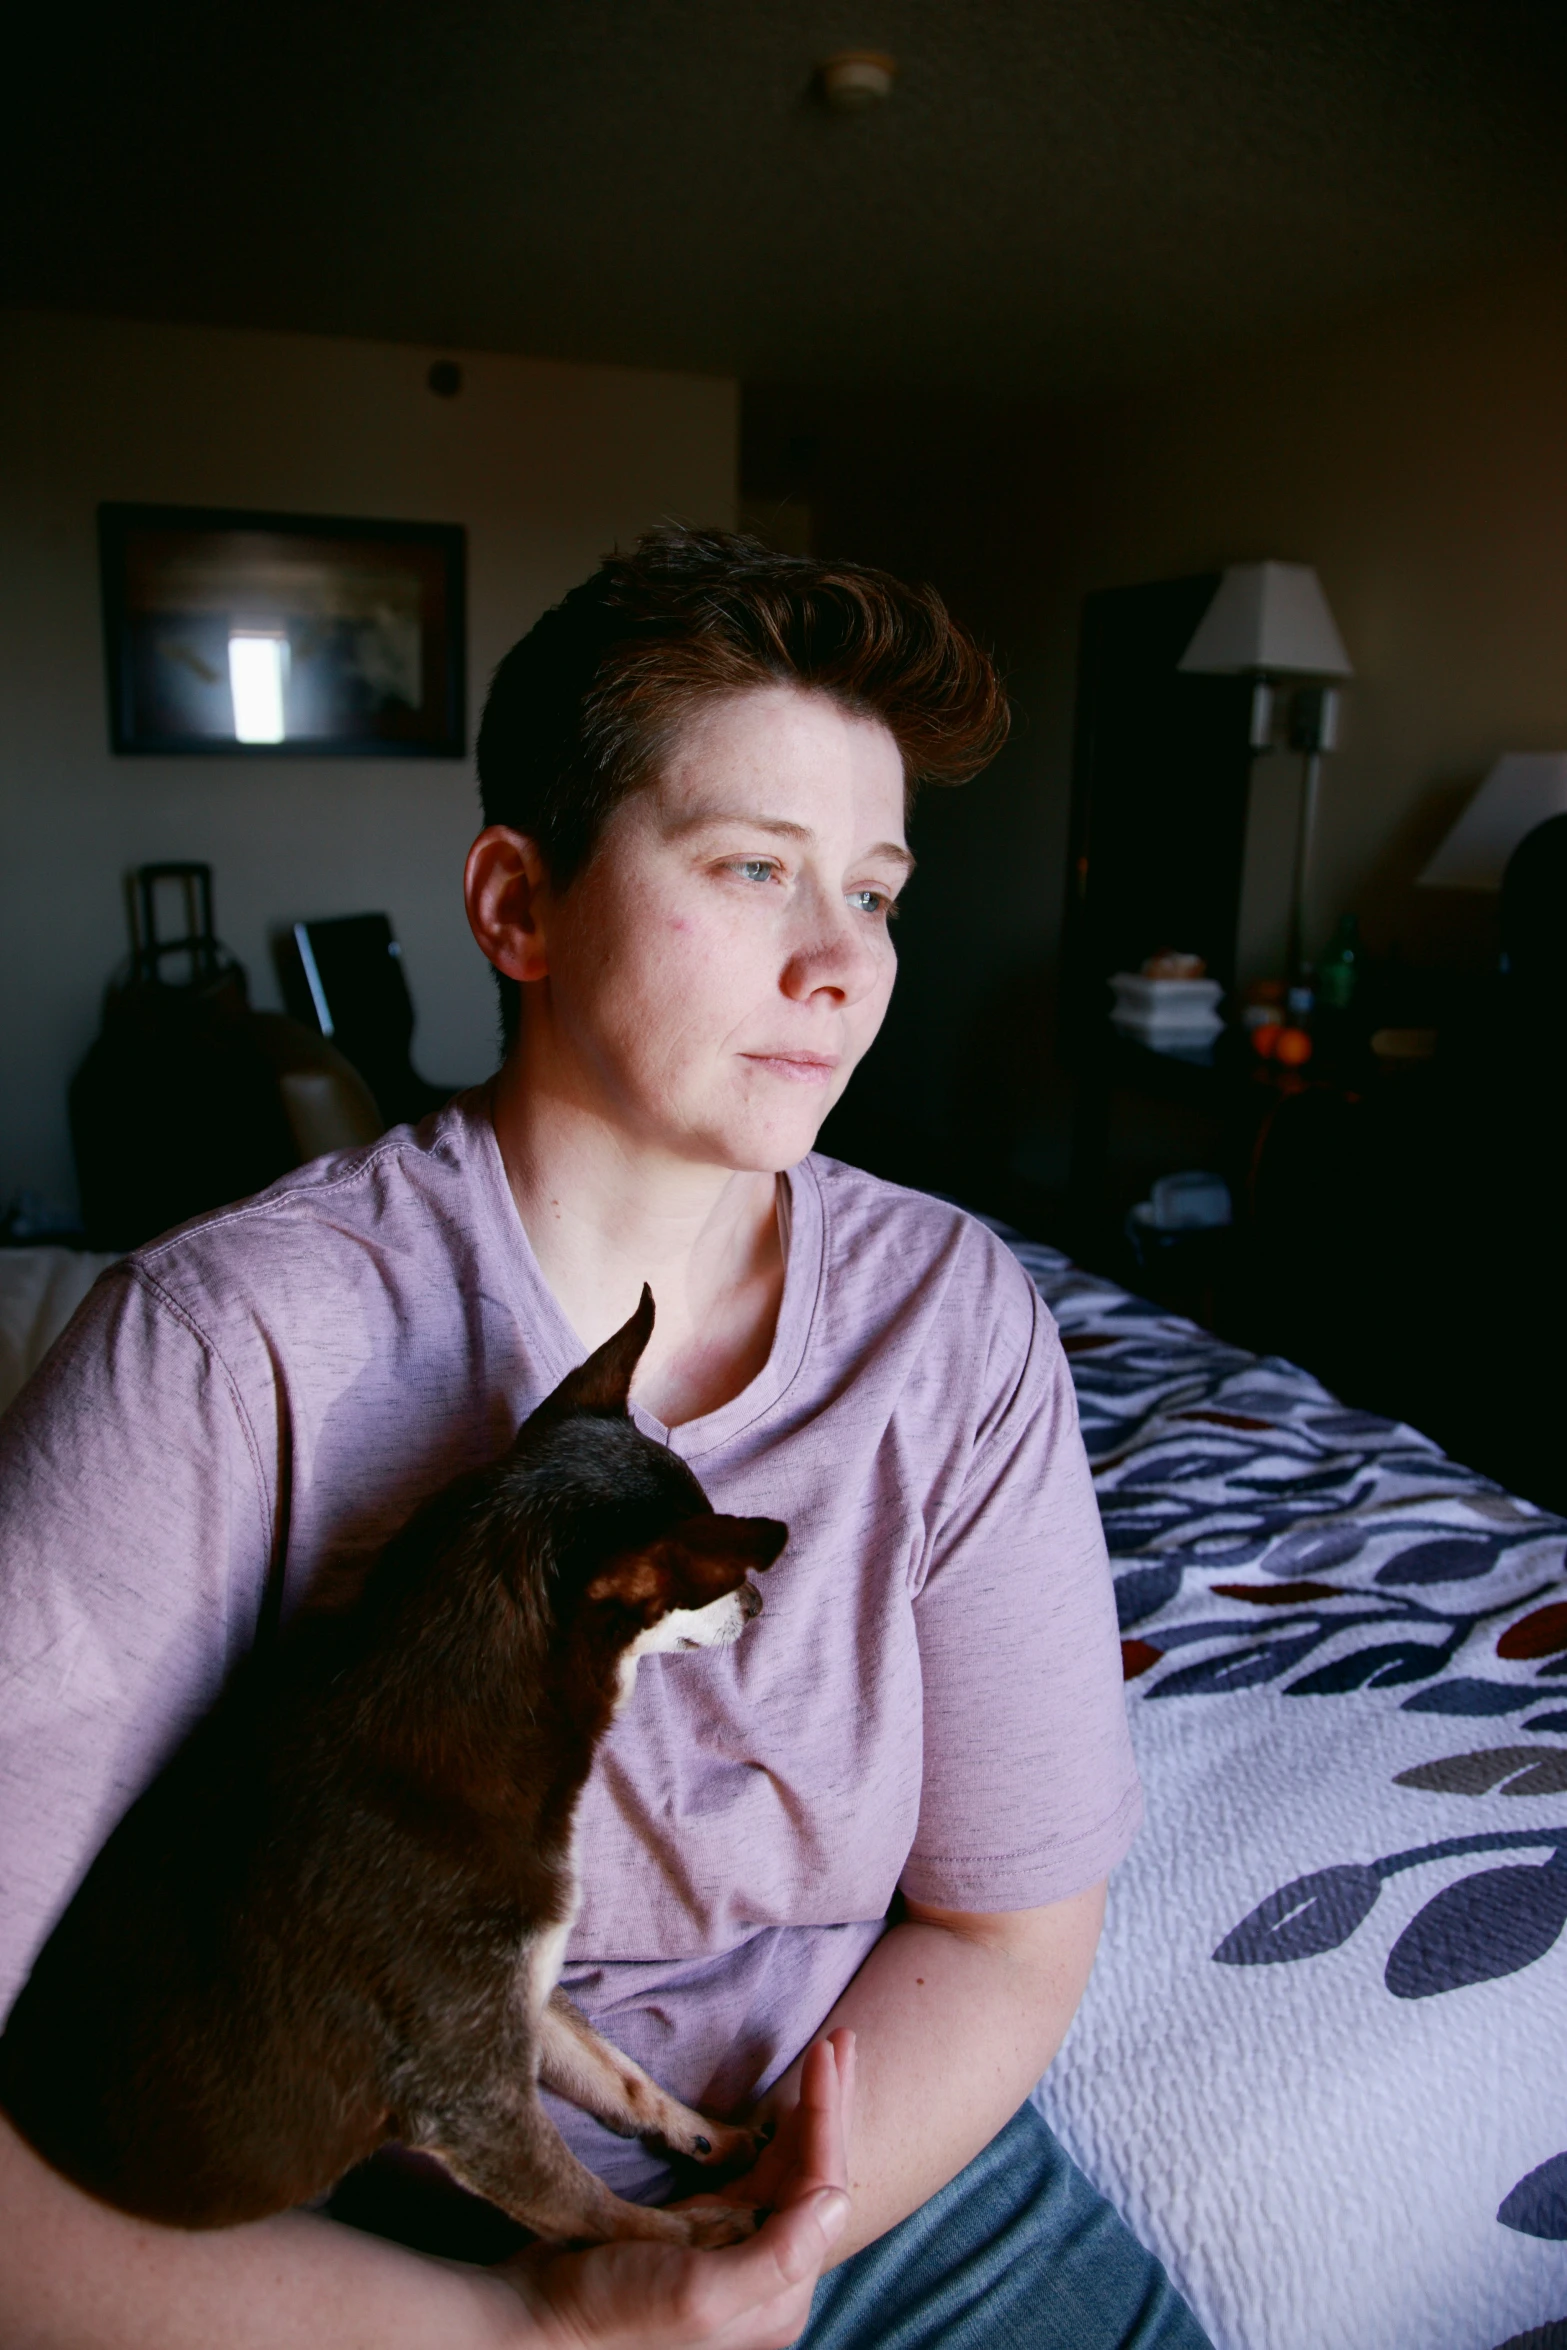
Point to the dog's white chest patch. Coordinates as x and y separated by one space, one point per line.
545 1961
545 1954
626 1679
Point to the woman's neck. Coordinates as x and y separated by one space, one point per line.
602 1217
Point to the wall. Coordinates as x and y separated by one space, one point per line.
545 465
961 1084
1417 457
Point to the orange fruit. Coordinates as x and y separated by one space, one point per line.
1292 1046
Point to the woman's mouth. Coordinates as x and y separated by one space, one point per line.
797 1068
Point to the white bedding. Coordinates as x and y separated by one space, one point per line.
1344 1657
40 1289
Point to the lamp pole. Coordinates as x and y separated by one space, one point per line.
1313 730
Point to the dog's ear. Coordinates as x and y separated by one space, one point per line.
603 1382
711 1543
637 1580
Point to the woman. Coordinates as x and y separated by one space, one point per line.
890 1810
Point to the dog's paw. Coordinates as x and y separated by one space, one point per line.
710 2224
717 2146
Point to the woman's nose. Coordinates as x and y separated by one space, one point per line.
838 952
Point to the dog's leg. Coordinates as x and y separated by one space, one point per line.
577 2064
513 2155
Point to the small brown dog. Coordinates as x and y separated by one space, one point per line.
337 1917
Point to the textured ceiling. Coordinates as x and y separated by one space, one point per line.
1060 193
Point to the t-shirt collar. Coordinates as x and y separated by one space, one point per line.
802 1223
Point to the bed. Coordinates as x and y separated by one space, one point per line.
1318 2064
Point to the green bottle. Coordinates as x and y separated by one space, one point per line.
1340 967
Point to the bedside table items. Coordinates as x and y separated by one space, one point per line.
1275 1021
1339 970
1192 1201
1169 1006
1178 1223
1401 1048
1167 1015
1262 1015
1172 963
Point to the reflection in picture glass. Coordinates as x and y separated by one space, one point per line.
282 633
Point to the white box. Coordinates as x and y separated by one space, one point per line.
1180 1003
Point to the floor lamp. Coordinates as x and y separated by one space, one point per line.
1271 622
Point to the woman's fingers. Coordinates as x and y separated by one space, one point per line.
751 2296
820 2121
800 2238
755 2295
809 2147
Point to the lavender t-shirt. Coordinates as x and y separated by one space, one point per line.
931 1699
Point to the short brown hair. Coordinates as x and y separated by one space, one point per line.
582 711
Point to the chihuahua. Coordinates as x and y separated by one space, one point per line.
337 1916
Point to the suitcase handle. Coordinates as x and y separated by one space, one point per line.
198 940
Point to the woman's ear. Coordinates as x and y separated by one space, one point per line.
506 889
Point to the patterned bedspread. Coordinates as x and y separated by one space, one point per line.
1322 2064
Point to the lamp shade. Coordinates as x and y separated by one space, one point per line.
1269 618
1521 791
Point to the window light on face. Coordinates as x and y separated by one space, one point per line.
258 666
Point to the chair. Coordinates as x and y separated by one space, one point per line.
344 977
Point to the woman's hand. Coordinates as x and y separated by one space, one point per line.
752 2296
959 2014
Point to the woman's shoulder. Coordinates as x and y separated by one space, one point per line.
914 1253
382 1224
861 1210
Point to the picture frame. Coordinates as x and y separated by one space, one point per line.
235 633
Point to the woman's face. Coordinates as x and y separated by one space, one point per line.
723 961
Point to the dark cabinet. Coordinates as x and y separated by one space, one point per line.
1160 785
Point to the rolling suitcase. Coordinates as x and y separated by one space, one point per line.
176 1107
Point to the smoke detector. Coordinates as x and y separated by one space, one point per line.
856 79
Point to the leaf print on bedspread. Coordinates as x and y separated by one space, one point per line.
1239 1668
1375 1668
1541 1633
1456 1559
1313 1550
1302 1919
1219 1474
1491 1923
1465 1695
1528 1770
1537 2206
1144 1591
1262 1652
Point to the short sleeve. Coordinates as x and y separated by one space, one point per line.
1029 1792
135 1534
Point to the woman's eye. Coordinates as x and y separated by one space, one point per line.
754 868
873 901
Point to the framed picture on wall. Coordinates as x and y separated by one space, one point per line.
266 634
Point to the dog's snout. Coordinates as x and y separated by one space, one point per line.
750 1600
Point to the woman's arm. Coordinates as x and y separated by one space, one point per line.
958 2013
75 2275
